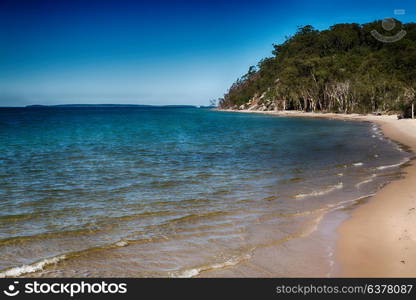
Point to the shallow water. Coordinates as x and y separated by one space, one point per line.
172 191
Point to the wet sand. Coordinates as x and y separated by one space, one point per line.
378 239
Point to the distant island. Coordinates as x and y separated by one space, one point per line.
116 105
343 69
88 105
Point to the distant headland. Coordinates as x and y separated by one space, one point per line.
115 105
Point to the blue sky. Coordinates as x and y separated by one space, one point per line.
154 52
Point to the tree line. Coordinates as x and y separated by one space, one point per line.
342 69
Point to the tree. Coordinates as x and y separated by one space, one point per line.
342 69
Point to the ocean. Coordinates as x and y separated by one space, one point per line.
171 191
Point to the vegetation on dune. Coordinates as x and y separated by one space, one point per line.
342 69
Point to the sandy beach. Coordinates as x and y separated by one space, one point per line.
379 238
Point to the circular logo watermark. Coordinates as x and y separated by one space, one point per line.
388 24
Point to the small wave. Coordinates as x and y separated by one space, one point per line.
292 180
25 269
399 148
40 265
19 240
376 128
171 183
121 244
342 204
196 271
197 216
331 260
322 192
371 178
358 164
393 166
271 198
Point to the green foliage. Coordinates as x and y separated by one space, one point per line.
342 69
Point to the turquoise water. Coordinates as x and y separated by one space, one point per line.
111 191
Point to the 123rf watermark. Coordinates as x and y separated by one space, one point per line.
63 288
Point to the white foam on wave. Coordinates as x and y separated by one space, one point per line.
188 273
358 164
370 179
395 165
346 203
235 260
121 243
38 266
331 260
196 271
322 192
377 131
25 269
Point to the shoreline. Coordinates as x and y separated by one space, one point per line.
378 238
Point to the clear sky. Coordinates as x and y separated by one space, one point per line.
152 52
